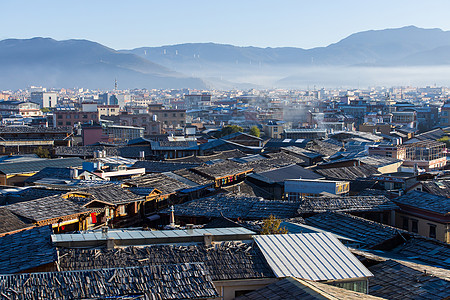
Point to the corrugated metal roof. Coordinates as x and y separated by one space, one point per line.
313 256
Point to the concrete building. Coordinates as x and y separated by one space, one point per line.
108 110
273 129
25 109
296 189
44 99
68 118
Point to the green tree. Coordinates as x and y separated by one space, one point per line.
229 129
445 140
272 226
255 131
45 109
42 152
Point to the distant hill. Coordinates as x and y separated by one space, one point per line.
72 63
374 47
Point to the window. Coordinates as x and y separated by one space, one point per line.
174 115
275 129
68 123
432 231
414 226
388 154
68 117
85 116
405 223
60 123
59 117
181 115
165 115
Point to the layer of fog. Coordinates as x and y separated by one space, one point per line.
301 77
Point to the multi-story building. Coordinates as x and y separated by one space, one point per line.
170 118
44 99
428 155
25 109
68 118
405 118
108 110
445 115
273 129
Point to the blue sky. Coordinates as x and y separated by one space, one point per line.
135 23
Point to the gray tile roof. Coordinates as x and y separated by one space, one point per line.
222 169
299 289
348 173
283 173
152 166
369 233
224 261
111 193
46 208
425 201
236 206
10 222
437 187
425 250
26 249
36 166
161 182
182 281
394 280
345 204
274 161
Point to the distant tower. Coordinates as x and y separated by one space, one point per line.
115 84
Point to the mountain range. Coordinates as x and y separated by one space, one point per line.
82 63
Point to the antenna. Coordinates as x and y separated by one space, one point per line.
115 84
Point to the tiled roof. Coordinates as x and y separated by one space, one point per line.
437 187
238 206
394 280
173 145
194 177
348 173
425 201
283 173
161 182
9 222
222 169
26 249
428 251
345 204
369 233
50 172
163 166
224 261
182 281
84 151
36 166
46 208
111 193
274 161
300 289
201 159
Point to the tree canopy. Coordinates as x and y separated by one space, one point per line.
255 131
229 129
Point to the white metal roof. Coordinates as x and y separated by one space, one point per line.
313 256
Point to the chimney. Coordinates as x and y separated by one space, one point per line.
208 237
172 217
73 173
190 228
110 244
105 232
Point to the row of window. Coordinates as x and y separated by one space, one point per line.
68 116
415 227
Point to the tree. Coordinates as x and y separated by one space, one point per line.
255 131
445 140
42 152
272 226
229 129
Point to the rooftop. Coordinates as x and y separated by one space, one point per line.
37 165
125 237
425 201
238 206
345 204
25 250
313 256
394 280
224 260
181 281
